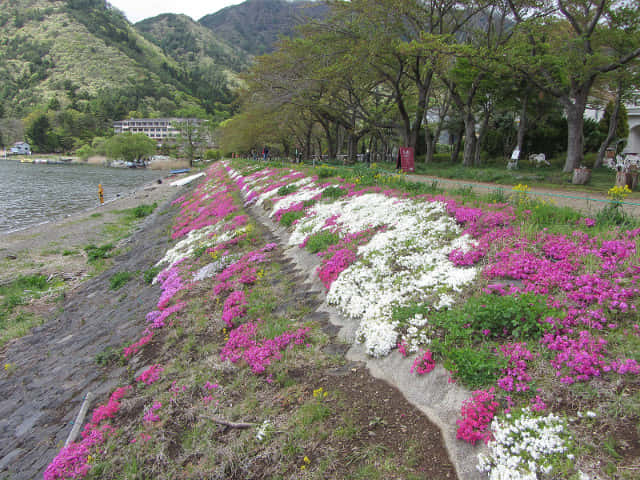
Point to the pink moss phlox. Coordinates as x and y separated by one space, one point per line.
340 256
244 345
207 206
335 265
296 207
538 404
150 415
171 283
477 413
72 460
423 364
236 222
235 306
243 271
135 347
150 375
402 348
515 376
157 317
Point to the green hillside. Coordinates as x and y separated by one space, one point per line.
190 43
256 25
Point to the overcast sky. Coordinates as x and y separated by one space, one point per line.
137 10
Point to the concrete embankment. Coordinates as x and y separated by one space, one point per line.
432 394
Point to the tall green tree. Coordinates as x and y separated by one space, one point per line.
130 147
563 46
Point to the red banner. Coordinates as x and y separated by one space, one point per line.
406 159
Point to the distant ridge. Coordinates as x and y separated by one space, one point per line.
255 25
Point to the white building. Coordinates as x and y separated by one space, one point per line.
158 129
633 117
20 148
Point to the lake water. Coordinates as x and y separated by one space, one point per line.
31 194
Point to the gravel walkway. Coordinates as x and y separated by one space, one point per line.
587 203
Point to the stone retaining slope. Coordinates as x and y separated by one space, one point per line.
432 394
55 365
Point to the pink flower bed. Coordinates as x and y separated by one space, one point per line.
477 413
235 306
72 460
243 344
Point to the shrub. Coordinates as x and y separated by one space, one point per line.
475 367
287 189
320 241
142 211
96 253
212 154
498 316
324 172
119 279
150 274
288 218
334 192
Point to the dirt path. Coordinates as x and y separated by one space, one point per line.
55 365
589 204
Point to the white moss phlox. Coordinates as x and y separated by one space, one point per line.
524 445
407 262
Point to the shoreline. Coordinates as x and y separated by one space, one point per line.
89 210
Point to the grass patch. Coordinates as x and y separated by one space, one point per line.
97 253
118 280
142 211
287 189
322 240
150 274
288 218
334 192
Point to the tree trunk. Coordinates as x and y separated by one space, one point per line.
480 141
611 133
455 153
429 144
575 140
307 143
575 122
352 143
469 140
522 127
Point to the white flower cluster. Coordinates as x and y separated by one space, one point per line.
186 246
272 193
263 430
355 214
415 336
302 195
524 445
407 262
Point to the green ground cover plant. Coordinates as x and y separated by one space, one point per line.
118 280
95 252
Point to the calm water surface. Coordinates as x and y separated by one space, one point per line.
31 193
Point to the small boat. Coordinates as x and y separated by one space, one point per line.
179 170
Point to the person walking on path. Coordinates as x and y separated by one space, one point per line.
265 152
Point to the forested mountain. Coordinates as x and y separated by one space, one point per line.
190 43
71 67
255 25
82 64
